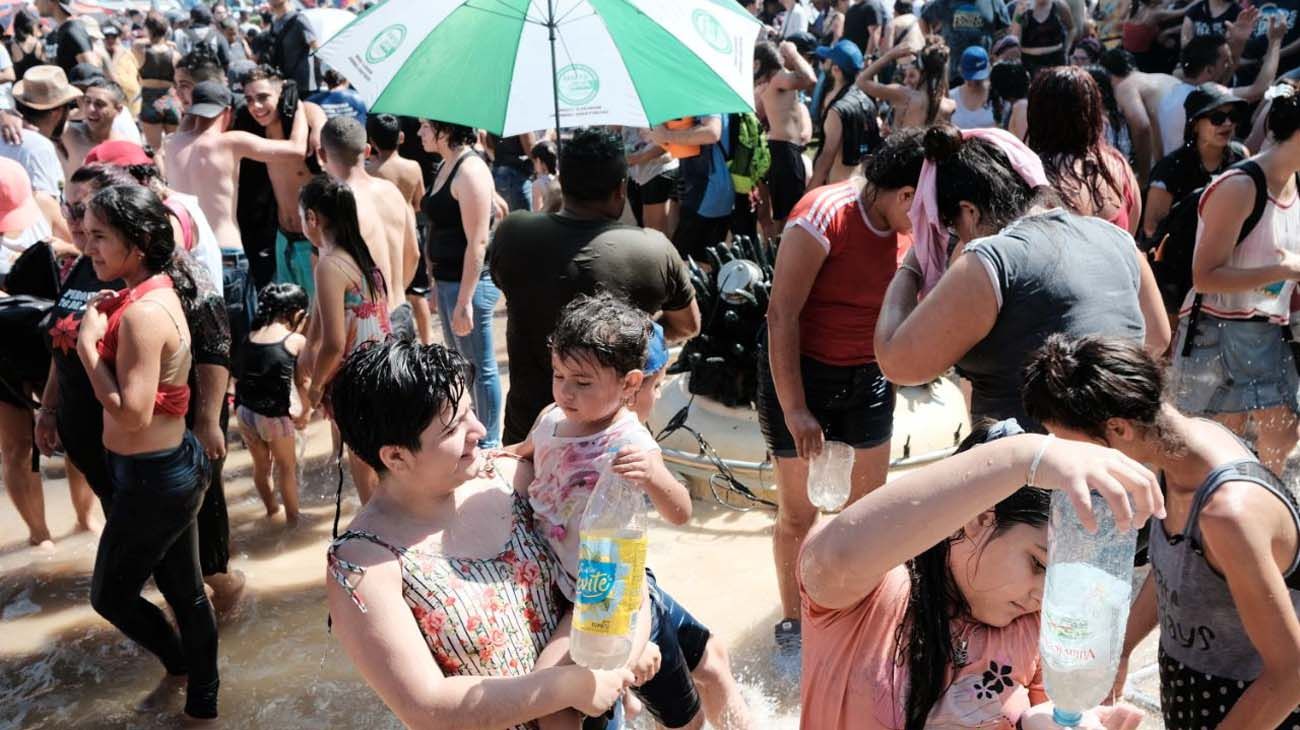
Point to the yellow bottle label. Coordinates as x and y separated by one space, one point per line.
611 571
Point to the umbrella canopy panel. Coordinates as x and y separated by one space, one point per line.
488 64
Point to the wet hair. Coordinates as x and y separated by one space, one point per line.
458 135
1066 114
924 637
99 176
333 78
138 214
1200 53
262 72
344 138
1090 46
387 394
110 86
977 172
897 162
156 25
383 131
281 302
26 24
202 65
1117 62
1284 116
933 65
593 164
545 151
903 7
1081 383
767 60
1009 81
1110 105
604 328
336 205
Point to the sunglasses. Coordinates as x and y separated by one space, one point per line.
74 211
1218 117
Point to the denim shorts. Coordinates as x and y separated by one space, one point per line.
1235 366
670 695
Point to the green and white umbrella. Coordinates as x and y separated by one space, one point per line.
514 66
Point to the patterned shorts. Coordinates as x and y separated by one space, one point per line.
267 428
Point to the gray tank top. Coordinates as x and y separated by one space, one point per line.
1199 625
1054 272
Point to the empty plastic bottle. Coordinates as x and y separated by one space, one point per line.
830 476
1085 607
611 571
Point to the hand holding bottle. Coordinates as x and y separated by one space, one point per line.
1078 468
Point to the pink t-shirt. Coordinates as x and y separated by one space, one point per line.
851 680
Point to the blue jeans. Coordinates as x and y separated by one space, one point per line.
477 347
516 186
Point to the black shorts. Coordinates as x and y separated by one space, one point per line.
787 179
695 233
419 286
661 189
854 404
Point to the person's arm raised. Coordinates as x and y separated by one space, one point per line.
261 149
893 93
1223 212
799 74
916 343
387 648
845 560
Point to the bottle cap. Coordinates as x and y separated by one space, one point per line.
1066 718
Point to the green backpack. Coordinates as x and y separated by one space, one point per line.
750 156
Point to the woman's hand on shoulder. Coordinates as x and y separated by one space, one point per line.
1078 468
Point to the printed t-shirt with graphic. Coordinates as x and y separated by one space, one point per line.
969 23
838 319
566 474
853 680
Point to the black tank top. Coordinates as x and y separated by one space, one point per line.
446 241
76 394
158 65
265 377
28 60
1050 32
861 130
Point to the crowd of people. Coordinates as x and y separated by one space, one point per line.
201 222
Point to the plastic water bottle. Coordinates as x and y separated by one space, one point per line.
1085 607
611 572
830 476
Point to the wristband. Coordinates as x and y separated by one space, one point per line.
1038 458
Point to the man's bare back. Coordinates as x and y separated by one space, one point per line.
403 173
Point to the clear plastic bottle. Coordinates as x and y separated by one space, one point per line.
830 476
1085 607
611 572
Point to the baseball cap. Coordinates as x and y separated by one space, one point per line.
1207 97
974 64
119 153
210 99
656 351
18 208
805 43
844 53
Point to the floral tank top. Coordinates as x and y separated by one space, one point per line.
484 617
366 320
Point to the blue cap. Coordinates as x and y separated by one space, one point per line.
656 352
845 54
975 64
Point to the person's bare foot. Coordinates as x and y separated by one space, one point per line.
292 519
227 588
45 547
169 689
93 525
272 510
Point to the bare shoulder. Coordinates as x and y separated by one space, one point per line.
295 343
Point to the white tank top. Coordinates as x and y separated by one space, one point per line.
978 118
1278 230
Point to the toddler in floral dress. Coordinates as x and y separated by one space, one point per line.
598 352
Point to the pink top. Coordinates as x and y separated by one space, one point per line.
852 681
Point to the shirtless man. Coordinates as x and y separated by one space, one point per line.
204 159
1138 95
781 76
100 103
384 131
293 252
385 214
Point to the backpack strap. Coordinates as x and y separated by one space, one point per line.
1256 173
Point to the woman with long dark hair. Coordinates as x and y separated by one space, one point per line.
459 210
1228 657
351 304
1067 123
921 599
135 347
26 46
919 106
1036 270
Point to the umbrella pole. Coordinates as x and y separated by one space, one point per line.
555 80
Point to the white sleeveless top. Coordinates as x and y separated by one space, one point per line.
978 118
1278 230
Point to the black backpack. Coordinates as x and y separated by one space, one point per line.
1175 238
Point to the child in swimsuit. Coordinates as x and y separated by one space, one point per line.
269 397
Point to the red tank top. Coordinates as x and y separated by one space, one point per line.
170 400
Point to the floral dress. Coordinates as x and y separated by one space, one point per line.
485 617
